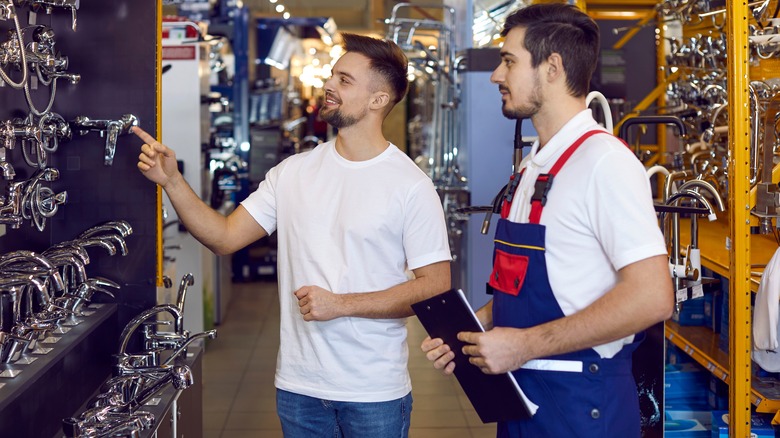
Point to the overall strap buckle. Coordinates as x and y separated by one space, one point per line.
542 188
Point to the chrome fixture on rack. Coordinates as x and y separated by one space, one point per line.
111 129
49 5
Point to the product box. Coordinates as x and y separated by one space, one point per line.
674 355
760 425
691 312
686 381
687 424
718 397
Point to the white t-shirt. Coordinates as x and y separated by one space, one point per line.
347 227
599 215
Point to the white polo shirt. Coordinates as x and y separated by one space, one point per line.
599 215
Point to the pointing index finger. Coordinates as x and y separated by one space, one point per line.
143 135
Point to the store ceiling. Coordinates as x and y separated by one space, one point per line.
351 15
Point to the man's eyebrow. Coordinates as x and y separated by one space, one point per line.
505 54
343 73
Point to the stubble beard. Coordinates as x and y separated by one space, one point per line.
337 119
525 111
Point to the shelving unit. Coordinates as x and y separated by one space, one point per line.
701 344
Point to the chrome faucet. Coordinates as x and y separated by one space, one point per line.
186 281
110 128
136 322
211 334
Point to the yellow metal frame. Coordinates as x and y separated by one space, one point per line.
651 98
739 212
647 18
158 134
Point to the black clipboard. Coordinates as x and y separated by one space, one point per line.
495 397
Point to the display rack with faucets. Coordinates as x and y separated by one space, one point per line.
40 292
140 376
41 131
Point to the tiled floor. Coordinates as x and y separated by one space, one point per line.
238 393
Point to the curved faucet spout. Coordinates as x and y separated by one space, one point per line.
701 184
186 281
211 334
136 322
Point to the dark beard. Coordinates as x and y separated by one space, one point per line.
525 112
337 119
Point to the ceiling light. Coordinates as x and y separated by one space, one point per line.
286 15
279 8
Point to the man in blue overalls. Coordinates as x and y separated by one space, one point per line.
579 265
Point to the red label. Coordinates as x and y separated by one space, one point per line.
178 52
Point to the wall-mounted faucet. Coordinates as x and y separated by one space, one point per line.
49 5
112 129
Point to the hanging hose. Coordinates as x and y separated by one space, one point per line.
604 107
22 54
30 103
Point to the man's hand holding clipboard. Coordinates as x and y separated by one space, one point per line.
494 393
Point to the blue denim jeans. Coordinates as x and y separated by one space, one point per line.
309 417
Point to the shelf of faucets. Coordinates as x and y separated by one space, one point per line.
161 404
43 385
16 377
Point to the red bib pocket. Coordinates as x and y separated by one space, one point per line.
508 272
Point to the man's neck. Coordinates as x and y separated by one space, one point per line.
361 143
552 118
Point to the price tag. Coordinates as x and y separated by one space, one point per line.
697 291
682 294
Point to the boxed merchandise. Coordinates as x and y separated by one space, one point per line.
760 425
686 387
718 397
691 312
687 424
674 355
723 341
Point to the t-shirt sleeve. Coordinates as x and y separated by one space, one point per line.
620 207
425 237
261 204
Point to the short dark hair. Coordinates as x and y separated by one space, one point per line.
387 60
564 29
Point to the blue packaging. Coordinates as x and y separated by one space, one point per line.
687 424
760 425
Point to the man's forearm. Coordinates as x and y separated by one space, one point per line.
203 222
396 302
630 307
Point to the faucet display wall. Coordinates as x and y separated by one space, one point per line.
56 184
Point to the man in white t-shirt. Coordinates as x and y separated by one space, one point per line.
352 216
579 264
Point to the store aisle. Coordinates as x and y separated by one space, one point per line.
238 391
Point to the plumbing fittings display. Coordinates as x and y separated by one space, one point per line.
49 5
41 294
140 376
30 62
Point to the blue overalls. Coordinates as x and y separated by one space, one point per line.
579 394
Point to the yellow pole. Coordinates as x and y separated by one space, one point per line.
158 134
739 213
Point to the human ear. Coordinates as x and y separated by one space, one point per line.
379 99
554 66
